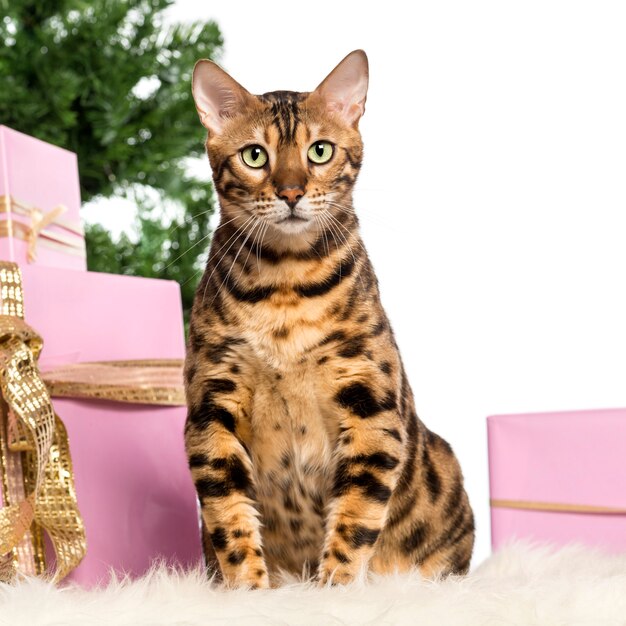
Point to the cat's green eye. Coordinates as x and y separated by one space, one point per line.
254 156
320 152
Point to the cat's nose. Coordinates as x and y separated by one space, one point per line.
290 195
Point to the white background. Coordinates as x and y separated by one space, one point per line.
493 192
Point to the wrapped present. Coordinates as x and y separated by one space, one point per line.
559 478
39 203
124 417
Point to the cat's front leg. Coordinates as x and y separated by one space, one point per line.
222 472
369 459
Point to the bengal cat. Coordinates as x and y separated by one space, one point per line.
302 436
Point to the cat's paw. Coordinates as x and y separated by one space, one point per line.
335 577
250 573
334 571
254 579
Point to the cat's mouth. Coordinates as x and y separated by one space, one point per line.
293 224
292 219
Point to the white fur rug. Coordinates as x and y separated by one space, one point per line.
519 585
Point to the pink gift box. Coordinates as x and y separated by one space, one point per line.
133 485
37 178
559 478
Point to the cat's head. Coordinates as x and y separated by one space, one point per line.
283 160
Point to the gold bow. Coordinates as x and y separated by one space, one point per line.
38 479
70 241
38 221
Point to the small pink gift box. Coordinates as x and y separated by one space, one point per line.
559 478
133 485
39 203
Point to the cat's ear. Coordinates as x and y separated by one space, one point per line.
344 90
216 94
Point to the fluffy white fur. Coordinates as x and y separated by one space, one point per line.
520 585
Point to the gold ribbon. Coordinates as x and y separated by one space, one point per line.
36 233
556 507
35 464
33 440
157 381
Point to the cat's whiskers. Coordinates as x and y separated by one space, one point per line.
258 250
337 235
232 238
180 256
260 224
328 227
343 205
346 207
318 224
367 211
192 276
227 277
357 240
329 216
318 219
349 232
174 227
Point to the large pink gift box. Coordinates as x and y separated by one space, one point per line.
133 484
39 183
559 478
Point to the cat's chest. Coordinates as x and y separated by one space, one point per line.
292 435
280 336
290 423
291 450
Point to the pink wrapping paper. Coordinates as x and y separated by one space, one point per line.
133 484
44 176
572 458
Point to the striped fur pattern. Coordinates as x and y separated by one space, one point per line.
302 435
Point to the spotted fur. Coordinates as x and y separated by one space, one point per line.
302 435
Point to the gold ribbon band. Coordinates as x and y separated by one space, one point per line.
72 243
37 475
556 507
155 381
